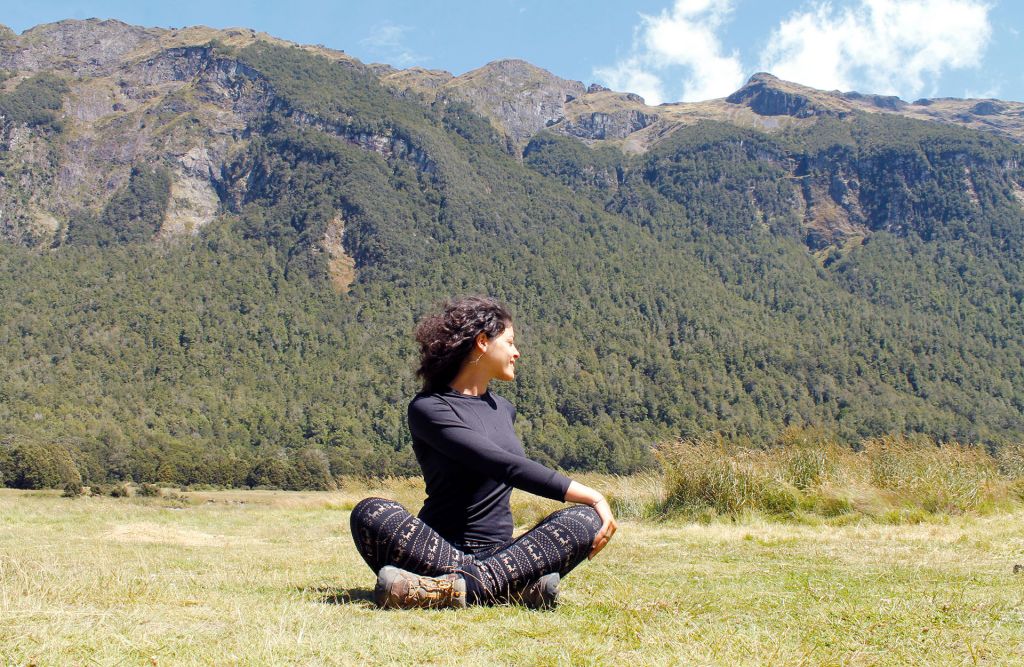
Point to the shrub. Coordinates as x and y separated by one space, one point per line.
6 465
148 491
112 490
35 102
72 490
271 471
312 470
37 465
826 502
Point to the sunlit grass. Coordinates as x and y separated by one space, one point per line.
272 578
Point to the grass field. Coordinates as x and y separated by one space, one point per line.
257 578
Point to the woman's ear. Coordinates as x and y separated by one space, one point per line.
481 341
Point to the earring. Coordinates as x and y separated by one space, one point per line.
477 358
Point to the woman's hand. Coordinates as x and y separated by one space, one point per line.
608 526
581 493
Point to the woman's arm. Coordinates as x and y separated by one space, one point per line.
435 422
581 493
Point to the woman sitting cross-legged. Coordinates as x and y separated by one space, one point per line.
459 550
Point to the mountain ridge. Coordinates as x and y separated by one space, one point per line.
126 75
484 88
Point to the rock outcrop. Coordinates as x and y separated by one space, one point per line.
132 102
520 98
886 102
417 81
194 202
614 125
84 48
767 95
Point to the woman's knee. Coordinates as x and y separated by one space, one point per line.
367 504
587 515
368 510
576 517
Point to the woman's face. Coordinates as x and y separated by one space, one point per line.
500 354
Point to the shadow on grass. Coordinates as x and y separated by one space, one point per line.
332 595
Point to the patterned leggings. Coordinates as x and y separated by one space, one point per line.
386 534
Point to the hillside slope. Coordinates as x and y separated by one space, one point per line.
218 244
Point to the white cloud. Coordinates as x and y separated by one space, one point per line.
387 42
991 93
629 75
682 42
892 47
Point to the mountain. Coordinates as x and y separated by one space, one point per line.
216 244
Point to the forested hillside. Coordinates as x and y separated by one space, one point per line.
215 254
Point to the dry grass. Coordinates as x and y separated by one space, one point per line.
806 476
255 578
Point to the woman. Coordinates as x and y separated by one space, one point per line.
460 549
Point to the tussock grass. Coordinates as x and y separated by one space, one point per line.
803 474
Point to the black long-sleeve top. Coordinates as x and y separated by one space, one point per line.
471 460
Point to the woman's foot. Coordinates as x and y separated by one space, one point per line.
399 589
540 594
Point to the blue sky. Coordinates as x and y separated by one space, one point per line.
665 50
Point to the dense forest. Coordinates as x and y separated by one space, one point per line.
695 287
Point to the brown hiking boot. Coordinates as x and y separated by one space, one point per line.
398 589
540 594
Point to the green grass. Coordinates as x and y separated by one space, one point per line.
255 578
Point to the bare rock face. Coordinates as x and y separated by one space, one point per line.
90 100
521 100
341 267
886 102
90 47
988 108
608 125
766 96
24 214
518 97
194 202
223 82
186 108
132 102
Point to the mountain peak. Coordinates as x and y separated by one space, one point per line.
768 95
511 63
85 46
512 71
763 77
517 96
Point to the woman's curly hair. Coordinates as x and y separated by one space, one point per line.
446 338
